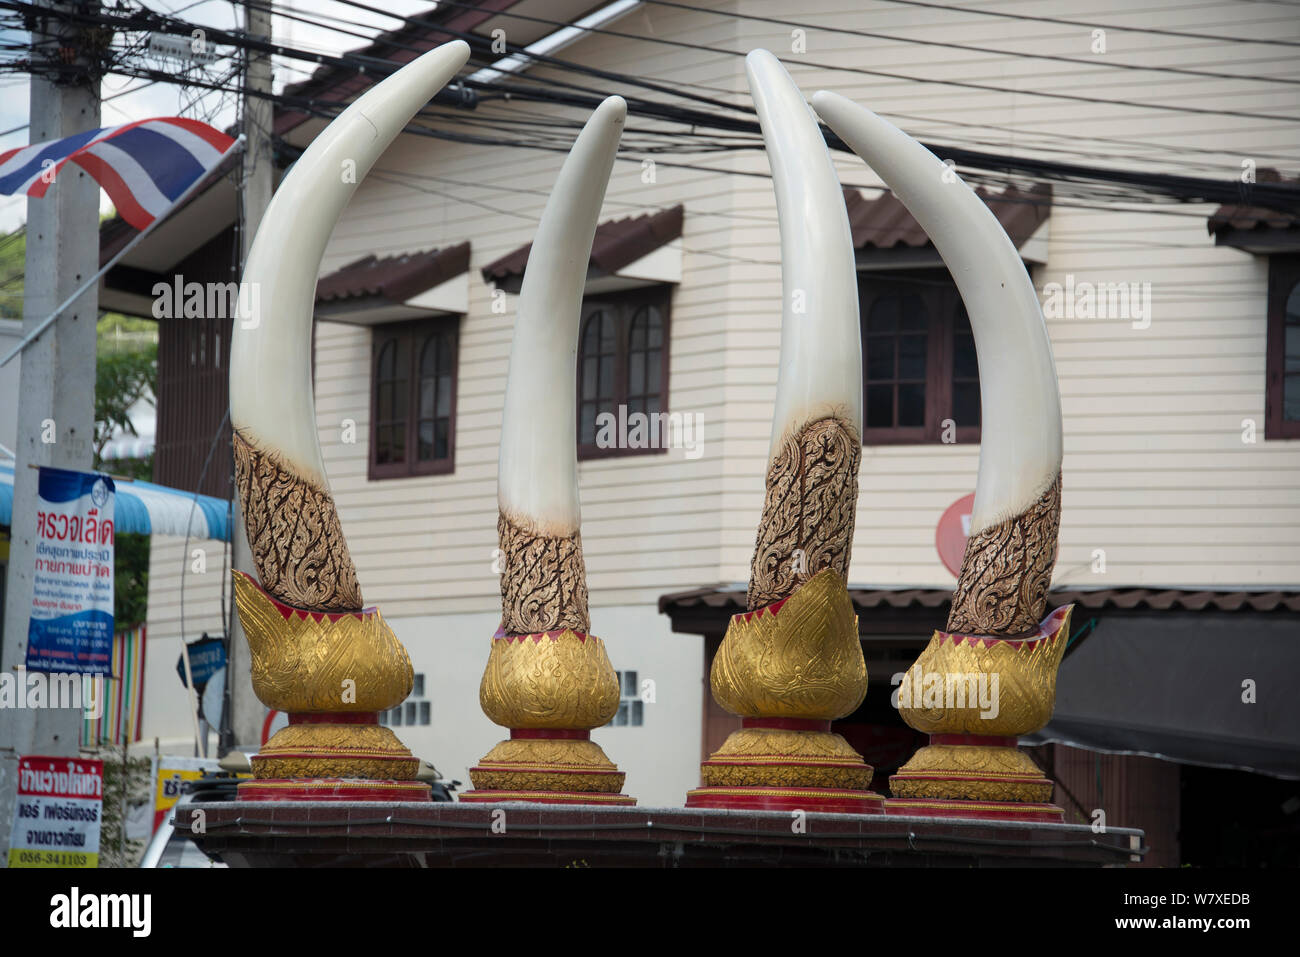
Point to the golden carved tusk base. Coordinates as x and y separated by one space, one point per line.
550 689
974 694
332 673
547 764
971 773
335 751
789 669
773 757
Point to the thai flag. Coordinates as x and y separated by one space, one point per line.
143 166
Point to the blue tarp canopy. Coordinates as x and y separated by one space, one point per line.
146 508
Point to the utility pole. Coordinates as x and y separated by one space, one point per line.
245 725
56 401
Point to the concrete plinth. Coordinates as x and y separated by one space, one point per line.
377 834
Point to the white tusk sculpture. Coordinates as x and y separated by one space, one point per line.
544 583
317 655
793 663
997 635
1008 564
272 407
548 679
817 421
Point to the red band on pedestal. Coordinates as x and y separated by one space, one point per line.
555 733
788 724
974 740
337 717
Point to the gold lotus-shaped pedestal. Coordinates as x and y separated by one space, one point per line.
332 673
974 695
550 689
790 669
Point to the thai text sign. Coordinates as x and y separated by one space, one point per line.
71 626
56 818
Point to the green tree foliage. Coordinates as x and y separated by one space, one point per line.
13 263
126 370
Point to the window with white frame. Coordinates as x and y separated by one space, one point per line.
415 710
631 708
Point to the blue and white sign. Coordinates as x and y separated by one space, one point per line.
71 629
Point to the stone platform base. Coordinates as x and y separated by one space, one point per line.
440 834
825 800
976 810
546 797
331 789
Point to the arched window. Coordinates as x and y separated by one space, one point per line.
433 427
599 352
921 378
413 398
391 401
1282 386
623 374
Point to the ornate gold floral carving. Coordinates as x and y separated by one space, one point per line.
294 532
766 757
793 745
335 751
971 773
1025 693
1006 571
543 582
549 681
801 659
810 506
547 764
313 662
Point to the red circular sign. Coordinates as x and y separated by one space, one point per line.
952 531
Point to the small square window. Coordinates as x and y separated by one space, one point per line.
424 712
417 691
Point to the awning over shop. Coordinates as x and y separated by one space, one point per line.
147 509
1213 688
1190 675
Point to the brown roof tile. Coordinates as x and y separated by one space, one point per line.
617 243
1241 217
885 223
394 278
732 599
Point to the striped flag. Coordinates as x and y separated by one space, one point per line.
143 166
123 713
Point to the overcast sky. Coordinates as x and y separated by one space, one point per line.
161 99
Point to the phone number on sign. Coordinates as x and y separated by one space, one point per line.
52 858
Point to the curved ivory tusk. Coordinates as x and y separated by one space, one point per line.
1007 568
538 470
1020 448
271 395
293 527
817 420
544 579
821 343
